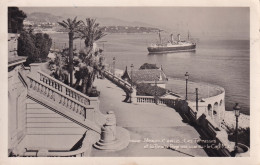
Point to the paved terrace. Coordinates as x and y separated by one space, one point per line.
205 90
157 123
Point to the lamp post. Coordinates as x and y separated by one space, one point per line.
132 66
197 100
187 78
155 92
236 109
114 62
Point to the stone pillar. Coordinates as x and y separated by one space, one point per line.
108 139
108 131
34 68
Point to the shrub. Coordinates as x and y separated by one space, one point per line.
149 90
148 66
35 46
243 135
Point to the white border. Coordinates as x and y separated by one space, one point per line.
254 81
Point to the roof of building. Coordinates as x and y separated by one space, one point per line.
145 75
16 60
150 75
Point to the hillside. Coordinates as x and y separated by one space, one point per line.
43 17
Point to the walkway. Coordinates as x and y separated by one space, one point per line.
147 122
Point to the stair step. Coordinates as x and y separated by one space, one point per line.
43 115
41 111
55 142
34 105
56 131
47 120
53 125
39 104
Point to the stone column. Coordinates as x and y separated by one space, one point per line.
108 139
34 68
108 131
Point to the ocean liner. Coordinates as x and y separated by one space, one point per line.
172 46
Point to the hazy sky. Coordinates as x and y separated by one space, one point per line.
213 21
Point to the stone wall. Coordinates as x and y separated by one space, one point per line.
17 92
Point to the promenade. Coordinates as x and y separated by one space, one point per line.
151 127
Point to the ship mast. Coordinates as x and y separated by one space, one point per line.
188 35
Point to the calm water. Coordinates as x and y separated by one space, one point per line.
221 62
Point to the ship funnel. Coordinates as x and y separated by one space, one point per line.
179 37
172 38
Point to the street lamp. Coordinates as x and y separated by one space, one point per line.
155 92
132 66
186 77
114 62
236 109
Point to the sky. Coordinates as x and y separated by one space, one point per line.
213 21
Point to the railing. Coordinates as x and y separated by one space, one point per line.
58 97
144 99
70 99
65 89
118 81
152 99
166 101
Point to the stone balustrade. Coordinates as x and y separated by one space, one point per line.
56 95
71 99
144 99
152 99
68 91
118 81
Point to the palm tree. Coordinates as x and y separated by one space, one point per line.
72 26
91 32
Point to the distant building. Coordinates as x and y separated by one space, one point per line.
147 76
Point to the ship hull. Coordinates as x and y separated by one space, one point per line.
164 49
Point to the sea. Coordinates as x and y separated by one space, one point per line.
220 61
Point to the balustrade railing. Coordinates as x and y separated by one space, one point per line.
56 96
145 99
117 80
63 95
65 89
151 99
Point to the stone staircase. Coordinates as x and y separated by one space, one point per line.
66 101
60 121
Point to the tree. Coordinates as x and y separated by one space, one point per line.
148 66
15 19
72 26
60 67
90 32
35 46
26 47
43 43
89 64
